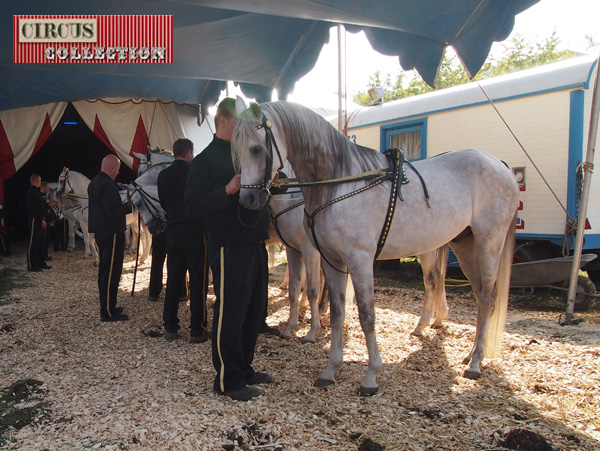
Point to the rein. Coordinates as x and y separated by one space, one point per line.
381 172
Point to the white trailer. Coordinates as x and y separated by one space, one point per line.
548 111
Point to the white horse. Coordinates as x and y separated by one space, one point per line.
72 198
144 195
131 236
466 198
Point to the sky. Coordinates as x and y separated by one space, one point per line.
572 20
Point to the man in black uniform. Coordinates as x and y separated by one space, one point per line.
237 256
186 248
36 221
107 220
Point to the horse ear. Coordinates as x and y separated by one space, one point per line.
240 105
256 112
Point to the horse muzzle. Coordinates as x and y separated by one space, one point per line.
253 199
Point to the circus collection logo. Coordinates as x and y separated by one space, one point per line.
92 39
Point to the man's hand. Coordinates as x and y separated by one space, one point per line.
43 224
234 185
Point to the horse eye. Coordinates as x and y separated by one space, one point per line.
256 149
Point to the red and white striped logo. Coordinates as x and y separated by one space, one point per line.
92 39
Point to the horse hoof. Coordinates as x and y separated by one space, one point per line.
307 340
417 333
320 382
368 391
469 374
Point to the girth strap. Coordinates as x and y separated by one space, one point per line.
396 158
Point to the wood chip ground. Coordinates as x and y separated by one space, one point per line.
122 386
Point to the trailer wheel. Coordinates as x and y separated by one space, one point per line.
584 287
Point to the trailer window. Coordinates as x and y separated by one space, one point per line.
409 136
409 142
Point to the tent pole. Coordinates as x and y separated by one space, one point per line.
588 169
341 87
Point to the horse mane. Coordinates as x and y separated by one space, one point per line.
159 150
324 152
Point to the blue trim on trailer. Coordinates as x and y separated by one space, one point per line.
576 128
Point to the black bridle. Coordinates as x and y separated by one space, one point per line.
270 143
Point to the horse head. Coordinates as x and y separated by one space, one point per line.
153 157
63 179
256 154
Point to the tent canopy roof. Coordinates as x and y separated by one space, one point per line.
262 45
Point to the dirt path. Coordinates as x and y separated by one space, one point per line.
122 386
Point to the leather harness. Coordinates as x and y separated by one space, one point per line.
395 173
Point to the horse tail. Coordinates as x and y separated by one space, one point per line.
493 347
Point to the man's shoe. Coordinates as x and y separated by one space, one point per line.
258 378
170 336
153 298
114 318
243 393
48 259
35 269
267 330
118 311
45 266
200 338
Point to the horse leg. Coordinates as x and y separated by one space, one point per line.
127 245
295 270
94 247
362 280
286 280
86 239
272 248
146 240
337 314
323 294
479 260
434 272
312 265
71 245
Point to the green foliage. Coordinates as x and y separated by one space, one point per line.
518 54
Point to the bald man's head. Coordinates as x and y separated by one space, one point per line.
111 165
